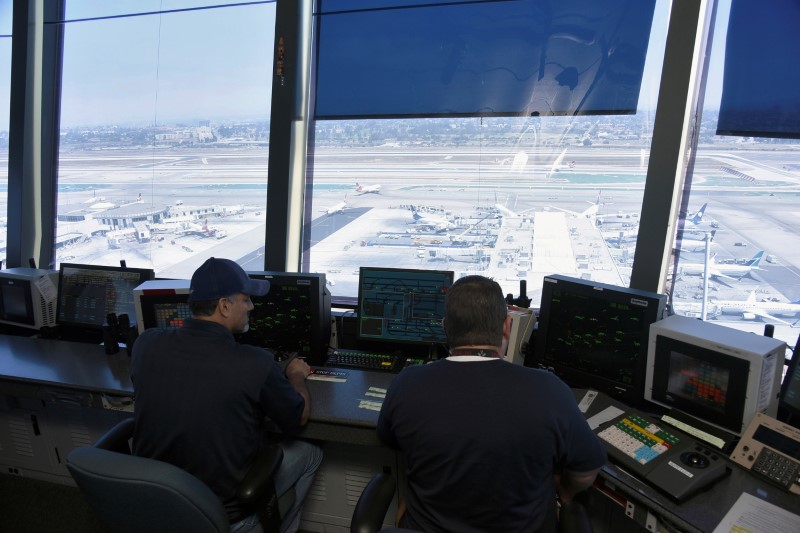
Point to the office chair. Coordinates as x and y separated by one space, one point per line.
377 496
135 494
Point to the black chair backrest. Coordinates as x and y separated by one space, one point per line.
135 494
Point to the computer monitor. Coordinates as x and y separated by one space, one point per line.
28 297
294 317
162 304
716 374
88 293
789 400
401 305
594 335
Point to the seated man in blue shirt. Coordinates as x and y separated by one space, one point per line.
202 399
488 444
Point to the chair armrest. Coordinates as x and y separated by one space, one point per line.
116 439
373 504
261 474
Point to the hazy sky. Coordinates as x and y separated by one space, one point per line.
205 63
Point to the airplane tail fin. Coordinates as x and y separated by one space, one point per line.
757 258
698 217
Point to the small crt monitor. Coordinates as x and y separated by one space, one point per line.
400 305
28 297
87 294
718 375
594 335
162 304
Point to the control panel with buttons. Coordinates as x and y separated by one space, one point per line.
771 449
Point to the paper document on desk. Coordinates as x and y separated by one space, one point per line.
753 515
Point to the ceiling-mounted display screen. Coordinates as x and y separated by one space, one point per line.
413 58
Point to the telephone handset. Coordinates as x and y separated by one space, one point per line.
771 449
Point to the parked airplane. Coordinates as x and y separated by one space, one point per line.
697 217
751 308
431 221
689 244
336 209
720 270
198 230
366 189
618 239
589 212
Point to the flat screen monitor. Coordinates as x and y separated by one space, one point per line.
294 317
789 401
28 297
162 304
400 305
715 374
88 293
594 335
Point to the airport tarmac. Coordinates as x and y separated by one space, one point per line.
467 187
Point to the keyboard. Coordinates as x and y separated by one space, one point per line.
638 439
364 360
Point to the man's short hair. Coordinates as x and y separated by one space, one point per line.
203 307
474 312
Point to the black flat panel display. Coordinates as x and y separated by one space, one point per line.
595 335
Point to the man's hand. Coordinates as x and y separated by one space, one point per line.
298 367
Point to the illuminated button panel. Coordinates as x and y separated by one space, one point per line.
639 439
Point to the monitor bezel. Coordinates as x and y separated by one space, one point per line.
320 316
29 320
739 371
147 302
449 274
787 412
145 274
633 393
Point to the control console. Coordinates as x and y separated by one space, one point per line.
668 459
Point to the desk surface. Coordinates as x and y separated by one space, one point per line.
339 414
336 411
64 364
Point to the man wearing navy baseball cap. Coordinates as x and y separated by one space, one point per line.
203 399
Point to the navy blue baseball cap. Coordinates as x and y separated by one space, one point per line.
217 278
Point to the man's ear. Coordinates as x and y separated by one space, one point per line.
224 307
507 327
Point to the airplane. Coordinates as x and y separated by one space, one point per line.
366 189
621 237
198 230
751 308
697 217
555 167
694 244
589 212
718 270
438 223
336 209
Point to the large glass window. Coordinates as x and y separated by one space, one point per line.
747 191
164 133
5 99
509 197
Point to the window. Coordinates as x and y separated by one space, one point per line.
509 197
164 133
5 99
742 199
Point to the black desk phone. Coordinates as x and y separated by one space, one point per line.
770 449
668 459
